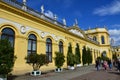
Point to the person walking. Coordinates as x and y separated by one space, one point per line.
97 65
118 65
105 65
110 64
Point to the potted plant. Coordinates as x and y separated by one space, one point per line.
59 61
36 61
70 58
89 56
84 56
7 58
77 56
71 61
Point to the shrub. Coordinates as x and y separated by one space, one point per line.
84 54
89 56
7 57
36 60
59 59
77 55
70 56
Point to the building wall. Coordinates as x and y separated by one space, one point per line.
116 50
15 18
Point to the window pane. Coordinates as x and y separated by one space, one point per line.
47 48
61 47
4 37
50 48
50 57
32 36
47 56
102 39
29 45
34 45
61 50
11 39
48 40
8 33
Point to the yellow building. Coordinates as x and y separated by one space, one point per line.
32 32
116 50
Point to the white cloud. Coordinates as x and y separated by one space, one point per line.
115 26
114 32
115 35
49 14
111 9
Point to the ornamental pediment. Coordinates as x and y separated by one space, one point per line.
76 32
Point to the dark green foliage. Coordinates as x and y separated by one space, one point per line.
98 58
114 56
77 54
70 56
7 57
84 55
36 60
89 56
71 59
104 58
59 59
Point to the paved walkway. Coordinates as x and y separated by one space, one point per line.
82 73
99 75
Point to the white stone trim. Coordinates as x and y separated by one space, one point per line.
28 28
76 32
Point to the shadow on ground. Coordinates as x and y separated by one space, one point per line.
116 73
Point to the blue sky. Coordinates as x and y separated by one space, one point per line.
89 13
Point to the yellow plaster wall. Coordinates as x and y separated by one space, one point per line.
21 40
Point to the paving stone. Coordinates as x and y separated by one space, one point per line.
82 73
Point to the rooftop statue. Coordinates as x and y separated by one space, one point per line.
64 21
42 9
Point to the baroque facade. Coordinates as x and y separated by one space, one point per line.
116 50
33 32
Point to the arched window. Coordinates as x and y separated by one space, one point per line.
61 47
94 38
8 33
49 49
32 44
102 40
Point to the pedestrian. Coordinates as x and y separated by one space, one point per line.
97 64
101 64
118 66
105 65
110 64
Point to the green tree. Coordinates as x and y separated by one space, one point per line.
114 56
89 56
77 54
84 54
70 56
7 57
59 59
36 60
